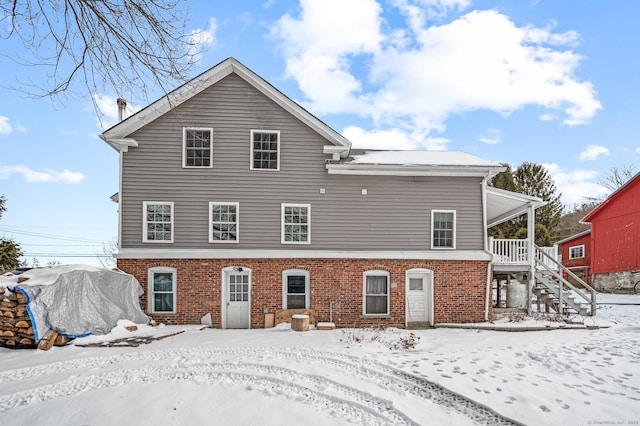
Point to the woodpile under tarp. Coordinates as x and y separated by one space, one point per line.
49 306
16 330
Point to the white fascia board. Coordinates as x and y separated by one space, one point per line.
370 170
119 144
142 253
209 78
336 151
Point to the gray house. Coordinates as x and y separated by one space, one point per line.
235 202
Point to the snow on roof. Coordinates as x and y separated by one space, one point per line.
420 158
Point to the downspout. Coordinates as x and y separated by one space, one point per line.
531 236
485 237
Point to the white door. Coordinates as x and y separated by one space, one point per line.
238 299
419 297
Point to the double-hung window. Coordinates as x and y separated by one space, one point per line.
576 252
376 293
157 222
443 229
223 225
295 289
162 290
296 223
197 147
265 150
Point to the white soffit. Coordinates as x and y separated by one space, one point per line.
504 205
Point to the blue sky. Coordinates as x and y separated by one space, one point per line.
547 81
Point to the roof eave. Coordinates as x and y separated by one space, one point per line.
411 170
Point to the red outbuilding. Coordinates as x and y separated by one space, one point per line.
615 240
576 255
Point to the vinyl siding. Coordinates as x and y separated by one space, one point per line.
394 215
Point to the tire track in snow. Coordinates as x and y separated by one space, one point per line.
367 370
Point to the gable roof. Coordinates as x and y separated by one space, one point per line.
610 198
574 237
118 135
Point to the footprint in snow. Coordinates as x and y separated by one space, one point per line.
544 408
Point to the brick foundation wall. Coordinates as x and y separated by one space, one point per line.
459 288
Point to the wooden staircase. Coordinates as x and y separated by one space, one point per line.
555 293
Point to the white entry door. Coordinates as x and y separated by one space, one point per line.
238 299
420 297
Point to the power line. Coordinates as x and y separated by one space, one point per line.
49 236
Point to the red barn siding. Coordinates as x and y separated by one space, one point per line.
615 231
581 264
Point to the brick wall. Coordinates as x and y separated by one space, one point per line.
459 288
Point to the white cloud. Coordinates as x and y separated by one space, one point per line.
638 150
47 175
577 185
201 40
593 152
107 108
415 79
317 47
6 128
491 136
395 138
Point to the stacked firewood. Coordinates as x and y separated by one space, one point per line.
16 330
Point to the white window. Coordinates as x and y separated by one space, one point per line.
576 252
376 293
157 222
265 150
296 223
295 289
162 290
197 147
223 222
443 229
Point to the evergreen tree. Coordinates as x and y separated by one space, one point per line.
10 251
530 179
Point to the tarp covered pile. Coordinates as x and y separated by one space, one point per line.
76 300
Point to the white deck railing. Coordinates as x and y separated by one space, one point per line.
516 252
509 252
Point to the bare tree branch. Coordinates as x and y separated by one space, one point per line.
618 176
111 46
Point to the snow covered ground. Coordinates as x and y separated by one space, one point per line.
279 376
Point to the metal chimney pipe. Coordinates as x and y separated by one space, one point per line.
122 106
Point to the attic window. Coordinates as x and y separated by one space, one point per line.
196 142
265 150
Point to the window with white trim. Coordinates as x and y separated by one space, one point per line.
162 290
443 229
157 222
265 150
576 252
376 293
295 289
223 222
296 223
197 147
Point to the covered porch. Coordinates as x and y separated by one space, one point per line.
537 270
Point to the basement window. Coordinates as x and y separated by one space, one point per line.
162 290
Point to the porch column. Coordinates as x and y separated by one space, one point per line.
531 237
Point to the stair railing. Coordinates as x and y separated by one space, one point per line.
542 260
